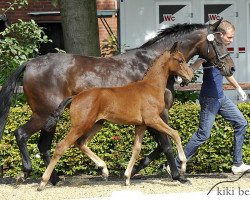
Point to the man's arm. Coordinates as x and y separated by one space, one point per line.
233 81
235 84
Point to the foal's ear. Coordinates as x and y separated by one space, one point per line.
216 24
175 47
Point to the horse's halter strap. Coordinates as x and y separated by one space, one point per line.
211 41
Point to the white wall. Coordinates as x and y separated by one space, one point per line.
140 18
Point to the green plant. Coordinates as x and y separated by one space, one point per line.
15 4
109 47
114 143
19 42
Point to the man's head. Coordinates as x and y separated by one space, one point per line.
227 30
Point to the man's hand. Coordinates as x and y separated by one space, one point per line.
243 95
196 65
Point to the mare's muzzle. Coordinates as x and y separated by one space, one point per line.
219 63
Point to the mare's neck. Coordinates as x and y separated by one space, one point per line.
188 43
158 73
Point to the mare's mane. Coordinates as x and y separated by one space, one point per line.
175 30
156 60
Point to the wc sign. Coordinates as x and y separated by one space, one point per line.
213 18
168 17
213 12
169 14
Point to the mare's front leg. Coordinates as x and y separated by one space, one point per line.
139 133
44 146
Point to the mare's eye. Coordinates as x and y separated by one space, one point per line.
218 42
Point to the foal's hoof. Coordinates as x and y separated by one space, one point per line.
105 174
41 187
127 182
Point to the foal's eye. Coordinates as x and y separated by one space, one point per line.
180 61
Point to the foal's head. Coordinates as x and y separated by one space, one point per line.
178 65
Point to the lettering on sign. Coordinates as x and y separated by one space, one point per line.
168 17
213 17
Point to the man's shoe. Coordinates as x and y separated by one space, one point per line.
241 169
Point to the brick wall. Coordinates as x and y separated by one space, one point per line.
45 5
112 21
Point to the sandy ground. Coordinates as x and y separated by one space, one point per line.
81 187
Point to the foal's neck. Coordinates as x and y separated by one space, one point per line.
158 73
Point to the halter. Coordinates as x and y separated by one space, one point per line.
220 58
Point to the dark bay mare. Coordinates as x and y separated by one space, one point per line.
139 103
49 79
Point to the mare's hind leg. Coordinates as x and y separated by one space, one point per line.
44 146
139 133
81 143
22 135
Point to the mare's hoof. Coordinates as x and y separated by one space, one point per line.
182 179
21 178
54 179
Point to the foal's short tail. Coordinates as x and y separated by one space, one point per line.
6 94
54 117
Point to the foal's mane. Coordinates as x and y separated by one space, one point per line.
156 60
175 30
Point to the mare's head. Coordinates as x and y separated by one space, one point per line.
177 64
196 39
215 51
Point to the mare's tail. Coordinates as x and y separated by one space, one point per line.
54 117
6 94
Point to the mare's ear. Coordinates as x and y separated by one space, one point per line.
214 26
175 47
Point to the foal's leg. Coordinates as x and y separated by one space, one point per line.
61 147
164 143
81 143
164 146
158 124
139 133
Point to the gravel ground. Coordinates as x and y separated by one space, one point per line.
80 187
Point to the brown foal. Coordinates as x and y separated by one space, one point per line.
140 103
